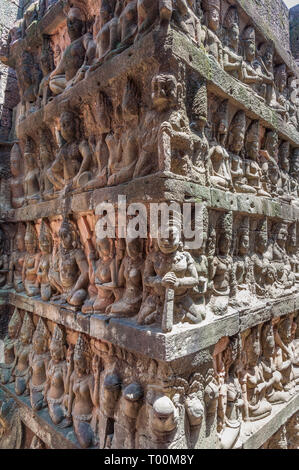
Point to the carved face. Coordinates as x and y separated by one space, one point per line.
282 235
12 330
224 244
80 364
262 241
164 91
66 238
75 25
238 139
249 49
30 245
57 353
20 242
163 419
272 144
253 349
213 18
103 247
268 341
171 243
234 33
244 244
68 126
268 58
134 248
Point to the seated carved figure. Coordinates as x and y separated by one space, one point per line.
46 246
129 280
123 143
71 279
263 271
186 16
242 267
16 183
16 263
252 74
21 370
31 262
251 379
32 173
11 342
218 161
211 41
81 393
73 56
284 277
46 159
71 168
39 359
55 389
47 66
236 144
253 171
232 61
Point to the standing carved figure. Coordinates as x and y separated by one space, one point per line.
32 173
21 371
11 342
253 170
46 246
16 183
212 42
39 359
232 61
16 262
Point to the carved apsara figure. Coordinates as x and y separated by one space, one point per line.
16 262
80 404
16 183
253 171
31 262
187 17
56 384
10 347
242 267
21 371
46 160
71 279
212 42
39 359
46 246
32 173
264 272
232 61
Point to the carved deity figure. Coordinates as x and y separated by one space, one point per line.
284 184
232 61
235 145
220 267
163 418
212 42
200 142
230 403
269 162
47 66
251 68
55 389
102 275
251 378
266 55
293 250
71 279
21 370
38 360
264 272
80 404
294 175
129 280
46 246
253 171
242 267
284 277
187 17
73 56
16 263
283 335
71 167
123 143
281 90
46 160
171 275
16 182
275 393
29 77
219 165
11 342
32 173
31 262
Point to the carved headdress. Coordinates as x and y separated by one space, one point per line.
16 321
42 332
82 348
45 233
31 235
231 18
249 34
69 226
27 327
238 126
221 122
200 103
58 339
253 132
208 5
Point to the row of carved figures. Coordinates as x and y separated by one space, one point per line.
120 24
114 399
241 262
230 152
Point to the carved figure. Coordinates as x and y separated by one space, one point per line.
16 263
46 246
212 42
11 342
39 359
31 179
21 371
232 61
31 262
16 183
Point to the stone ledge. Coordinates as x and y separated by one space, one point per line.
40 423
268 426
157 188
184 339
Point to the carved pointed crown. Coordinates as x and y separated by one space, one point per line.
27 327
249 34
58 336
30 235
16 320
231 18
82 347
253 132
45 232
41 330
210 4
238 122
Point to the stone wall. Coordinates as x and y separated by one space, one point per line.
294 32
